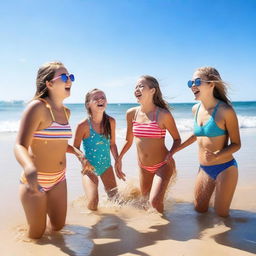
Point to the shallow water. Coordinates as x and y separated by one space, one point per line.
129 227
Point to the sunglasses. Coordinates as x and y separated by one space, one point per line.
65 77
196 82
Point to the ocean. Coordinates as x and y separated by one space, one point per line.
10 114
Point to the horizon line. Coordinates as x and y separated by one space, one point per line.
182 102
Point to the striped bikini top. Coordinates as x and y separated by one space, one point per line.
148 130
55 131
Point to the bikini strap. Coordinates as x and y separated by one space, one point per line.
215 110
48 106
66 114
90 124
197 111
156 113
136 113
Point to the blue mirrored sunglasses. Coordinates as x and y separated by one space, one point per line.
196 82
64 77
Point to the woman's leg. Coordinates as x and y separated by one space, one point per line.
146 180
35 207
109 181
159 186
90 184
57 205
225 188
204 188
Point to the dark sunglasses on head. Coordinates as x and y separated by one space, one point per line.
64 77
196 82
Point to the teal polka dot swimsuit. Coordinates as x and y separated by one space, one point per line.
97 150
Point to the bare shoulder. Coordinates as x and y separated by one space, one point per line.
36 107
226 110
130 113
84 124
164 113
195 107
112 120
132 110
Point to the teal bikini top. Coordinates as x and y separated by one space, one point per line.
210 129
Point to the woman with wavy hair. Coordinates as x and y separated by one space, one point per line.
216 131
148 124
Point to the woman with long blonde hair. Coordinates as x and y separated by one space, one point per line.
216 131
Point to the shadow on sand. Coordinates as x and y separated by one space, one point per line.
182 224
113 235
71 240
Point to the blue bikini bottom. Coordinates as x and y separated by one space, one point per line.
214 170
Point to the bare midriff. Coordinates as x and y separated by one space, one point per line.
213 144
151 151
49 155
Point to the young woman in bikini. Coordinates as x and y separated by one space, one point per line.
148 124
41 146
216 131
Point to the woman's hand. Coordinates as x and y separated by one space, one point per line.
86 166
210 156
31 177
118 169
169 159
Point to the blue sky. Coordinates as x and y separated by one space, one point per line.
109 44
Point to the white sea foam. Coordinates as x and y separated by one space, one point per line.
183 125
9 126
186 125
247 121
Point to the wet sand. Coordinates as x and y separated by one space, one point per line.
129 229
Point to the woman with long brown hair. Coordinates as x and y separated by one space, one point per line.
148 124
41 146
216 131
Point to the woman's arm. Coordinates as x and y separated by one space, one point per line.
114 151
191 139
113 147
170 125
80 133
30 122
128 142
129 134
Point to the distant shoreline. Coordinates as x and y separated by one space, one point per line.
127 103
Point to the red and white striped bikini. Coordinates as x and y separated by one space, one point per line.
149 130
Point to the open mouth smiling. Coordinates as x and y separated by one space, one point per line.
195 92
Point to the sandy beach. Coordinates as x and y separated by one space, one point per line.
128 229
